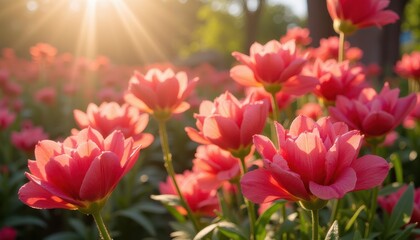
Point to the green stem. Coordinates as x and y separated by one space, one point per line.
275 111
249 205
341 47
372 211
103 232
167 156
336 207
315 224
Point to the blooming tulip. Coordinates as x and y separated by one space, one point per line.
6 118
111 116
273 66
229 123
314 161
372 113
79 173
214 166
350 15
337 79
201 201
160 93
300 35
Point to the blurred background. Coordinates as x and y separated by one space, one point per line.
187 31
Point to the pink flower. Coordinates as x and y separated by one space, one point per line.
414 116
201 201
372 113
160 93
283 99
43 52
6 118
273 66
350 15
229 123
8 233
311 110
388 202
409 66
314 160
300 35
328 49
79 173
214 166
337 79
47 95
111 116
28 137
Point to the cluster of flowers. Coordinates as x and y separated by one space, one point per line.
310 159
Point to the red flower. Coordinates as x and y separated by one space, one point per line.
350 15
79 173
337 79
201 201
273 66
372 113
229 123
314 160
111 116
8 233
43 52
160 93
409 66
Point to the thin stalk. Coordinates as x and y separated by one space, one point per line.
103 232
341 47
167 156
373 199
249 205
372 210
315 224
336 207
275 112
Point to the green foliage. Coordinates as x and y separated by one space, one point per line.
411 23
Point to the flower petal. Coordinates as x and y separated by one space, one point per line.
370 170
35 196
101 178
260 187
345 182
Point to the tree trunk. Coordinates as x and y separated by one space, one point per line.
252 18
319 21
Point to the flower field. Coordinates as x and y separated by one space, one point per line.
290 142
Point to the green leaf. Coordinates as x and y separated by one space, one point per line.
406 233
139 219
263 220
389 189
170 202
151 207
64 236
205 231
230 230
79 226
354 217
332 234
401 213
24 220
